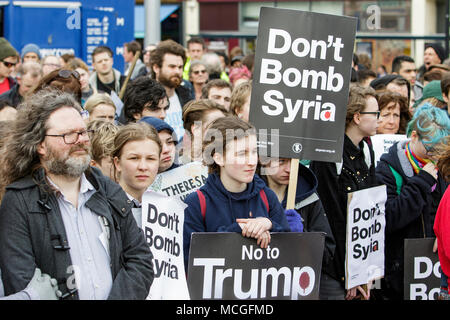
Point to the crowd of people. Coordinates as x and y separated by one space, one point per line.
80 148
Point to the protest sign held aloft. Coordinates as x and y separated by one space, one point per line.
422 270
162 223
229 266
181 181
365 236
301 82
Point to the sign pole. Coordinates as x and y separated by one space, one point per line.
292 187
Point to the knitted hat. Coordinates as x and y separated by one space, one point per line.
385 80
159 125
31 47
440 51
6 49
431 90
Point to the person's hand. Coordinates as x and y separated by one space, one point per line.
294 220
355 292
254 227
264 240
44 286
435 246
431 169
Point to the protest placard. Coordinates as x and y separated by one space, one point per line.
382 142
422 271
162 223
230 266
364 258
301 82
181 181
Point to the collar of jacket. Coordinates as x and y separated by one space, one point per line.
105 189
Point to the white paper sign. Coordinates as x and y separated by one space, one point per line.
365 236
162 223
382 142
181 181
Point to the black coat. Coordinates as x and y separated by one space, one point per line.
32 231
409 214
333 190
12 96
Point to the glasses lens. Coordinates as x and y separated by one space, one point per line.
71 138
8 64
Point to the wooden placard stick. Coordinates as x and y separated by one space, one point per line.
292 187
130 71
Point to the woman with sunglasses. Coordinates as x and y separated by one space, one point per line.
355 172
198 75
414 189
64 80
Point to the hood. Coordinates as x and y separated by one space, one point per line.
397 159
306 185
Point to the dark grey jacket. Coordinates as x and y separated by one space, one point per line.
32 234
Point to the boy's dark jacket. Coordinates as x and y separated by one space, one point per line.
310 208
32 232
224 207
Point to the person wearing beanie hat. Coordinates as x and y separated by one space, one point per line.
169 141
431 90
8 58
434 54
394 83
30 53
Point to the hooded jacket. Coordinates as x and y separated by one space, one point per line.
224 207
409 214
310 208
118 81
32 231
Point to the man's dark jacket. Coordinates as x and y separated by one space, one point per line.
32 235
12 96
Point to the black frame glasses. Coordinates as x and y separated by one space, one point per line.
377 113
8 64
196 72
71 137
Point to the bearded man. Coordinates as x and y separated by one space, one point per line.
61 215
167 62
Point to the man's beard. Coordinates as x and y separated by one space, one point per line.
68 166
170 82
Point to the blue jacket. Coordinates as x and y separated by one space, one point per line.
224 207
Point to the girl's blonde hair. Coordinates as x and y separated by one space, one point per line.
96 99
102 139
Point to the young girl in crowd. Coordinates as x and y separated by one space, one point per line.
356 172
137 149
102 145
308 207
414 189
233 199
442 221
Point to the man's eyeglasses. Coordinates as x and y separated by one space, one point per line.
377 113
8 64
72 137
196 72
63 73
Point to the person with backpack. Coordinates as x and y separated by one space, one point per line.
414 189
307 208
355 172
233 199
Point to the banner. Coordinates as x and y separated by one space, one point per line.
181 181
382 142
366 221
422 275
230 266
301 82
162 223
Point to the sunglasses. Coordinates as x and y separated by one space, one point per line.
199 71
63 73
377 113
8 64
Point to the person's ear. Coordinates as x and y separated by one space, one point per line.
117 164
218 158
41 149
137 116
357 118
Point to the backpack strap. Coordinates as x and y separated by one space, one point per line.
263 195
398 179
201 198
